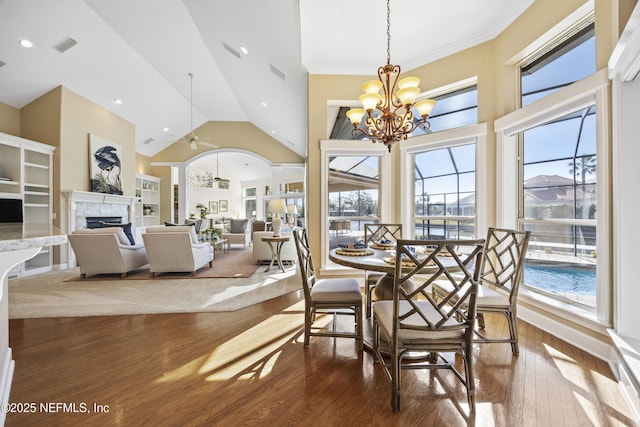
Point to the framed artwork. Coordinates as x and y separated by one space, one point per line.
105 166
224 206
213 207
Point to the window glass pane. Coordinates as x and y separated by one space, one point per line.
353 197
250 192
444 186
559 182
566 63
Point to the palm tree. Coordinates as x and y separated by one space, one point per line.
584 166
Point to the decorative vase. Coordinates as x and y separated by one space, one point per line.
276 223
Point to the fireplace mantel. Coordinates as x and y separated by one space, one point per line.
90 197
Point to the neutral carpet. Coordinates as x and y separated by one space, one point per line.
52 295
236 263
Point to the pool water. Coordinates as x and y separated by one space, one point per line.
561 280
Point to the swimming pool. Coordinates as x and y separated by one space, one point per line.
561 279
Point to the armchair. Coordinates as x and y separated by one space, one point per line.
176 249
237 232
106 250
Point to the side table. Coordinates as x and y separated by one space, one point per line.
275 250
220 243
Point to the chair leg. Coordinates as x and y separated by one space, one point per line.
513 331
307 325
480 318
395 383
359 327
471 385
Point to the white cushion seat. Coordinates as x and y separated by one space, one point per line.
332 290
383 310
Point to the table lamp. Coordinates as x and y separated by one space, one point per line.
292 211
276 207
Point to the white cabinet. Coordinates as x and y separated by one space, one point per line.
148 207
26 173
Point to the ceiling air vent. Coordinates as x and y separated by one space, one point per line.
277 72
232 50
65 45
2 64
148 141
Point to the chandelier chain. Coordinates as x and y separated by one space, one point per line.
388 33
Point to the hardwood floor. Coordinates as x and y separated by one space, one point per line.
250 367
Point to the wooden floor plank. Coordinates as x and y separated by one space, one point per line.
250 367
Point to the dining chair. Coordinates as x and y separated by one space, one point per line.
375 233
417 328
501 274
326 296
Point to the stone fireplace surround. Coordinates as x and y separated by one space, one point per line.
83 204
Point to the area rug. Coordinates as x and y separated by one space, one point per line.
55 295
233 264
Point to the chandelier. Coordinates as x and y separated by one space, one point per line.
389 116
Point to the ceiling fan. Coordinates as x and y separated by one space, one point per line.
217 178
192 139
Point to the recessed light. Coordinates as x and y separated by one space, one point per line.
26 43
166 129
264 104
273 131
117 101
244 50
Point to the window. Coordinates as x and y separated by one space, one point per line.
553 181
250 202
444 192
353 197
455 108
354 191
558 204
565 63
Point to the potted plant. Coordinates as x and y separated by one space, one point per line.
203 210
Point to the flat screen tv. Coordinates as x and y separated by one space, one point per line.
10 210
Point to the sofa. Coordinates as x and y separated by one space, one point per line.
262 252
176 249
106 251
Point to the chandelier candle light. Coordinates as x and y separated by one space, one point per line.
389 117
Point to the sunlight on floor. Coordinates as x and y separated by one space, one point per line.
244 357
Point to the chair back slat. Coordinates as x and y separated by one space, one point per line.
419 263
305 261
504 257
376 232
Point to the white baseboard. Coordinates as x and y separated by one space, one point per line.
592 345
5 381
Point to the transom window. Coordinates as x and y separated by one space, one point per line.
565 63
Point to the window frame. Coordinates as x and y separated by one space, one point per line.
592 90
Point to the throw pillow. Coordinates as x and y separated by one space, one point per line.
169 224
238 225
125 227
196 223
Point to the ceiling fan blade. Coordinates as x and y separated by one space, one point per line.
208 144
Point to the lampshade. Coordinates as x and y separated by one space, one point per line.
276 206
292 209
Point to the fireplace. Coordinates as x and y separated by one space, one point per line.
96 221
87 209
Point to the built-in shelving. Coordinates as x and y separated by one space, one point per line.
148 207
26 173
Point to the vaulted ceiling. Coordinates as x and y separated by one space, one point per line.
142 51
